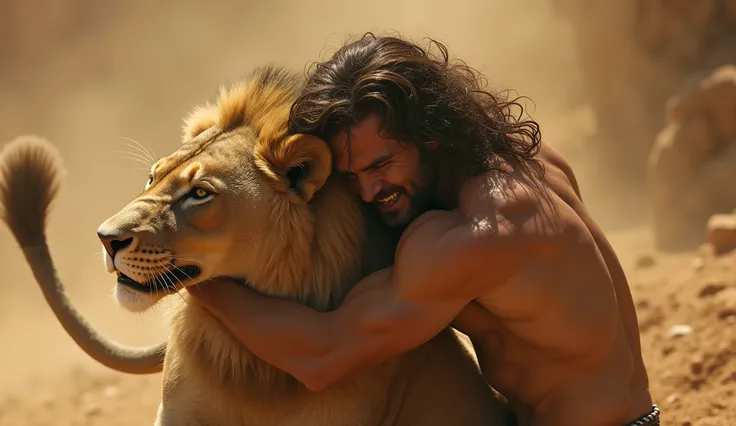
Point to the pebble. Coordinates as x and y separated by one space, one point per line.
721 231
111 391
711 289
698 264
91 409
696 365
645 261
680 330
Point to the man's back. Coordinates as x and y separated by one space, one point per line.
554 335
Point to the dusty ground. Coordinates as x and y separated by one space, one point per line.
84 80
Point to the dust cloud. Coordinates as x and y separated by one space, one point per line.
88 75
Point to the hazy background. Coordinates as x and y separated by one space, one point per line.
84 74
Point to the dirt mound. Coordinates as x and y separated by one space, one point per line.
687 314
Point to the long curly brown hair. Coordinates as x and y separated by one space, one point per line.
422 96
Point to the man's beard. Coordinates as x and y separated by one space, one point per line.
420 201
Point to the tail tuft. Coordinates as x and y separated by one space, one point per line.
30 171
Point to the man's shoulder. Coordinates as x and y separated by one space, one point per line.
429 227
508 206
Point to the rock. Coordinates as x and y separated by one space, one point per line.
111 391
720 89
91 410
704 251
714 98
719 406
711 289
680 330
696 137
692 165
696 365
721 231
698 263
716 179
645 261
726 313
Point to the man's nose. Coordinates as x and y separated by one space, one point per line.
114 240
369 188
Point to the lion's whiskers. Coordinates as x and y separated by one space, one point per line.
135 157
190 259
156 276
147 152
99 255
163 265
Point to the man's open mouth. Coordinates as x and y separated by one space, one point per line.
168 281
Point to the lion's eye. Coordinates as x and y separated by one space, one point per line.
196 196
199 193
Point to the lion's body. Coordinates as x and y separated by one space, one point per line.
435 385
314 245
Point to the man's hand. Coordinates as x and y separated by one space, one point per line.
285 334
210 293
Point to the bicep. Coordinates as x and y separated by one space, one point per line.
416 298
448 258
377 322
455 258
431 264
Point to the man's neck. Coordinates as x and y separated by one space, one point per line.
448 187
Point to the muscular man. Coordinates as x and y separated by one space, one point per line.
497 244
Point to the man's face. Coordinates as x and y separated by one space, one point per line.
398 179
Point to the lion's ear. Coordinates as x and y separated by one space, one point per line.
301 163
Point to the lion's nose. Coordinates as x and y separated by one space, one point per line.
113 241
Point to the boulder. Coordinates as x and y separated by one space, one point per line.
721 230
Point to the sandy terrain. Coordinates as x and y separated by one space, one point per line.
90 76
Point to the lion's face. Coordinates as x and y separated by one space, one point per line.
209 210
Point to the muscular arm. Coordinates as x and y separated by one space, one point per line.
442 263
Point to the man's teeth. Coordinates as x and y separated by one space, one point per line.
389 199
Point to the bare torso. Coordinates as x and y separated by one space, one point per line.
560 339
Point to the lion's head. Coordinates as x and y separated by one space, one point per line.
238 198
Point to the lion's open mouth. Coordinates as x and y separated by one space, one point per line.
163 282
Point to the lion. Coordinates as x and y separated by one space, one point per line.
243 198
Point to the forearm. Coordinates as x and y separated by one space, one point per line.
287 335
373 324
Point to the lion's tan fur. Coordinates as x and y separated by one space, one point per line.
313 257
315 250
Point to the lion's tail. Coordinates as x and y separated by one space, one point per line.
30 169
